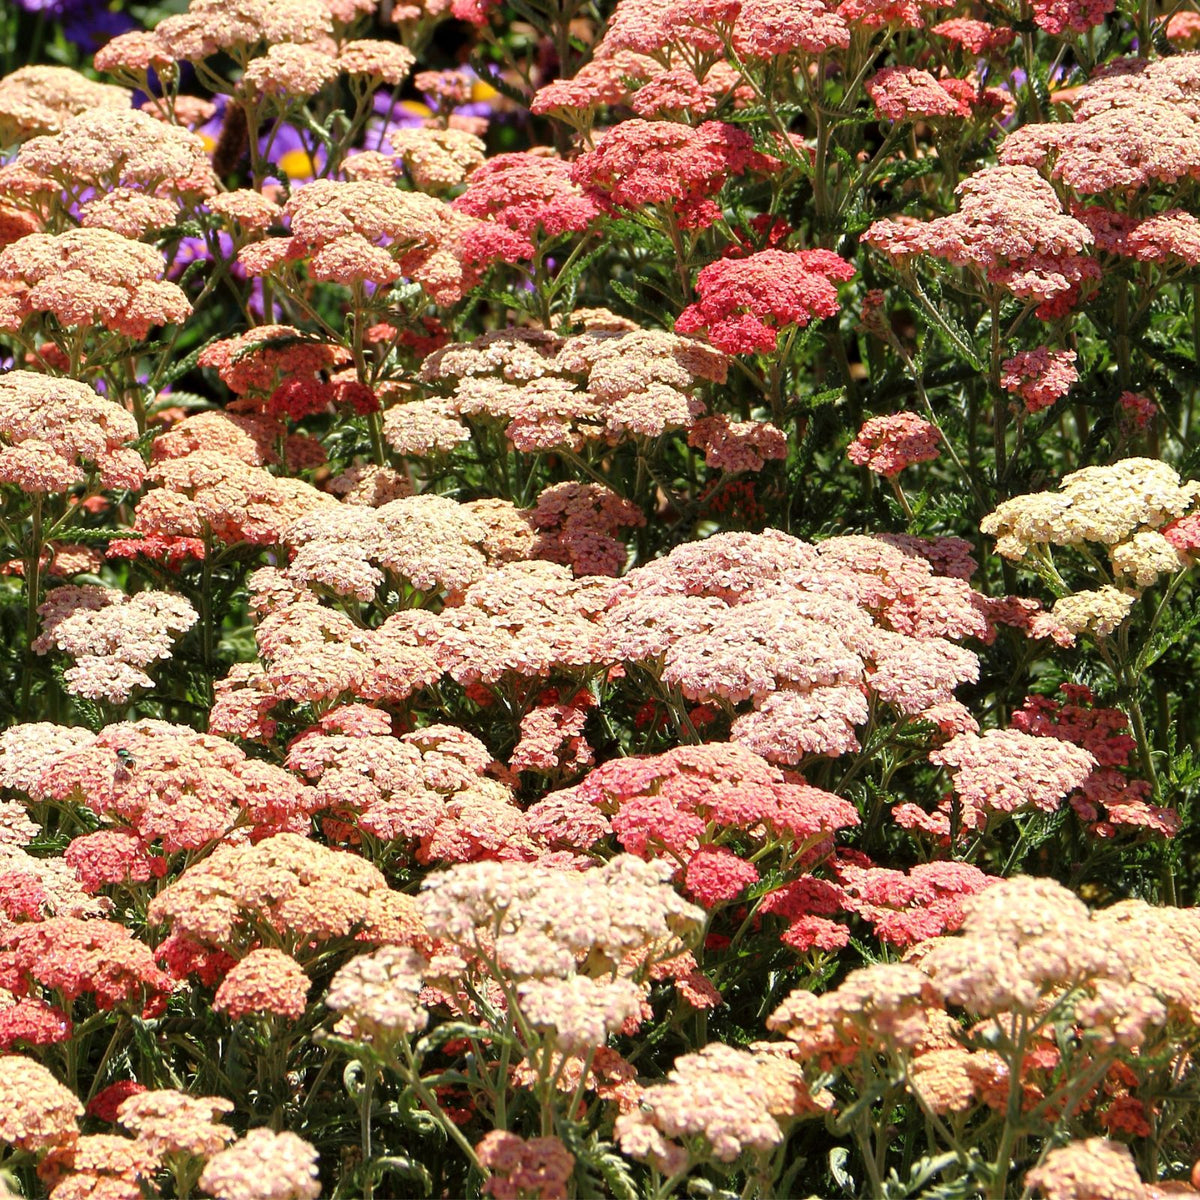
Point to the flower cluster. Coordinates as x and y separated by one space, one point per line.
515 672
58 433
112 638
745 302
85 278
547 391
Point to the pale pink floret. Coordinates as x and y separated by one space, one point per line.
1039 376
1007 771
886 445
1011 228
907 93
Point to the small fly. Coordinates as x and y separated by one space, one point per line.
125 761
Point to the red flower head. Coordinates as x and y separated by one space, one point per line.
745 302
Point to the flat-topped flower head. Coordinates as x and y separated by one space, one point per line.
88 277
112 638
365 231
112 148
604 384
298 891
169 1122
438 159
74 957
531 194
886 445
518 1167
542 921
209 495
1088 1169
263 357
1039 376
209 26
431 542
1132 130
1105 504
734 1100
36 1111
745 302
764 29
263 1165
910 94
72 426
672 166
1010 228
266 981
289 74
130 213
1008 771
378 995
40 99
184 789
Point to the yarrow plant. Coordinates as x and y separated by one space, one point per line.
598 599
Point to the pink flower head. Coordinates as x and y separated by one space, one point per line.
875 14
886 445
1011 228
1139 411
978 37
1004 770
1183 29
745 302
1075 16
539 1167
662 163
1039 376
715 875
907 93
766 28
529 195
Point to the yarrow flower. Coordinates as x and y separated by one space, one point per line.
537 1167
112 149
1122 507
1006 770
886 445
744 303
263 1165
363 231
677 168
168 1122
113 638
265 981
737 1101
438 159
1087 1170
38 100
531 195
36 1111
1039 376
73 431
1011 229
908 93
378 995
174 786
72 957
329 894
88 277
